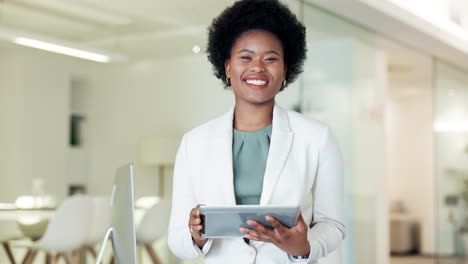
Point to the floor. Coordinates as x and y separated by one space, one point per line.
425 260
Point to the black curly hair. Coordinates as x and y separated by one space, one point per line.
247 15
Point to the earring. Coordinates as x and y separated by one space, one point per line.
284 83
228 81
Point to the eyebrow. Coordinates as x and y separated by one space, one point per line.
251 51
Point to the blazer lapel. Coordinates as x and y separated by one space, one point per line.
280 145
223 157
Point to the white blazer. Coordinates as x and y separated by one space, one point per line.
304 168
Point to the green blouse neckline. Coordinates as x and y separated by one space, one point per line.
266 129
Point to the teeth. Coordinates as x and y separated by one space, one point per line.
256 82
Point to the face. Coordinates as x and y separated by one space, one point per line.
256 67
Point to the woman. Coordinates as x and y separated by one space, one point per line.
258 153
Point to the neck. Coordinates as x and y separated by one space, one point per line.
250 117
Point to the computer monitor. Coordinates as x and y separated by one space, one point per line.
122 229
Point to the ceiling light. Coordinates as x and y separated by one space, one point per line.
61 49
59 46
196 49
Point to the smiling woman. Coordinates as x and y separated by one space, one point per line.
256 68
258 153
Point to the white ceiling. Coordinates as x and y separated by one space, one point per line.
400 24
160 28
410 72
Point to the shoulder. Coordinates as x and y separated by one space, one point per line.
300 123
311 132
211 129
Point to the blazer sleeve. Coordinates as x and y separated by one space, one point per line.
179 238
327 229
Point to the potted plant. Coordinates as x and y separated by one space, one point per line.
461 177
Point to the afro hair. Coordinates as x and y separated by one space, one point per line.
247 15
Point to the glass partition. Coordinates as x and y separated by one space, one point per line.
343 85
451 158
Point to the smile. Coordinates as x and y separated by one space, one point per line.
256 82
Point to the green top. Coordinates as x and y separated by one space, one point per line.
249 154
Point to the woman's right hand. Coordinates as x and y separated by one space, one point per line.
195 227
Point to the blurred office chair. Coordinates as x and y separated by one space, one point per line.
8 234
66 232
4 240
32 227
153 226
100 222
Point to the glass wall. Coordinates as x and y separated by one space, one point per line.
343 85
451 135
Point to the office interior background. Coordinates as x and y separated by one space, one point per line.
389 76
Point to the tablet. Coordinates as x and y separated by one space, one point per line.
225 221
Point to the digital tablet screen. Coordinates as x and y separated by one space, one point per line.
225 221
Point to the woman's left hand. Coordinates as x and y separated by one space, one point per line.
291 240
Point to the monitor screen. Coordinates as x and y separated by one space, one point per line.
123 224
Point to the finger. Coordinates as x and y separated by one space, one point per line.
260 228
254 238
192 230
255 235
195 230
263 239
278 227
259 238
249 231
197 209
195 221
194 212
192 216
197 227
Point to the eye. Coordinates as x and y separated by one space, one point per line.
271 59
246 58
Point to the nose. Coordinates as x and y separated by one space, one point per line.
257 66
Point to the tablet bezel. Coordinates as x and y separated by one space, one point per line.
283 211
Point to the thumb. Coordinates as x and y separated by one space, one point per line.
198 208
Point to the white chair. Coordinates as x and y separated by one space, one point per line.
4 240
100 222
66 232
153 225
9 232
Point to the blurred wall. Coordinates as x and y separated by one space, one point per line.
410 147
34 101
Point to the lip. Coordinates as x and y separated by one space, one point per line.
256 77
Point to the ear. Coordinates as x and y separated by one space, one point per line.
227 67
